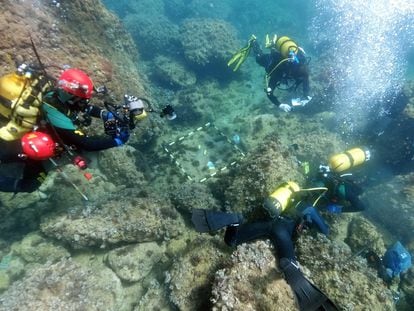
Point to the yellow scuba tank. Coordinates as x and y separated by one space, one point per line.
279 200
20 99
285 45
348 159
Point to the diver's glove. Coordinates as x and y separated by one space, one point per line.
285 107
122 137
107 115
334 208
270 42
255 45
312 217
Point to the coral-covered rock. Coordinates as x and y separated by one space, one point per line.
262 171
390 203
154 34
36 249
190 195
343 277
155 298
119 166
172 74
115 222
363 234
65 286
407 286
134 262
190 277
252 281
208 42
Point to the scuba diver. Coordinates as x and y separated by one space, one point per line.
343 193
281 228
286 67
67 108
30 101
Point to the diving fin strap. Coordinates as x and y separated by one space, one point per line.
308 296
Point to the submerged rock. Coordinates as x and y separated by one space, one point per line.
116 222
267 167
36 249
364 235
345 278
190 195
65 286
252 281
208 42
155 298
171 73
133 263
189 279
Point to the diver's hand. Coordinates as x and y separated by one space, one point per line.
122 137
285 107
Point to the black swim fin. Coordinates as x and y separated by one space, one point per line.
308 296
206 220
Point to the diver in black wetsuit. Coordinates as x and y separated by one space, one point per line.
280 231
287 65
342 195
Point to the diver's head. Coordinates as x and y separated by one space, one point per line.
75 88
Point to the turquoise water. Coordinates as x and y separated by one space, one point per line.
132 245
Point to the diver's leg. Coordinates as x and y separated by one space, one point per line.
281 236
304 73
271 89
236 235
206 220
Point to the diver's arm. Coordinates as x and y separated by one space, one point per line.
86 143
94 111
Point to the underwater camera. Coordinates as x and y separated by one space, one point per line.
123 119
168 112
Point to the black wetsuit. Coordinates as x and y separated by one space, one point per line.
279 231
31 177
282 72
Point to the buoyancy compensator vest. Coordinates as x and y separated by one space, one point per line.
20 99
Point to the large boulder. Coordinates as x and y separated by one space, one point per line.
252 282
120 221
171 73
333 267
65 286
267 167
134 262
191 275
208 42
